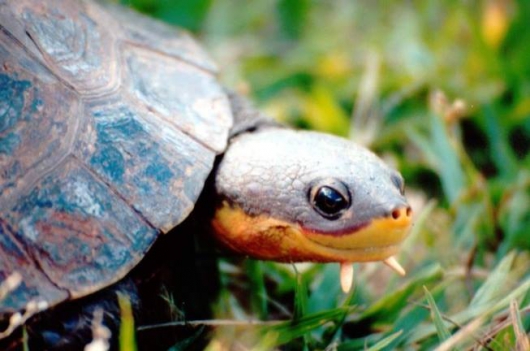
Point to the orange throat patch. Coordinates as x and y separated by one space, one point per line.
269 238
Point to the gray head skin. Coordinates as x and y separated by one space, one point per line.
312 196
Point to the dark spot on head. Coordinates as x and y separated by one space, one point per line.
398 182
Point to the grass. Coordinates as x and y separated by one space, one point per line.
375 74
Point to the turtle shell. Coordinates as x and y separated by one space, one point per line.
109 126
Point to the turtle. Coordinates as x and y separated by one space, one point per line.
113 126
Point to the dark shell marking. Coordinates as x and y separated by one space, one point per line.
109 126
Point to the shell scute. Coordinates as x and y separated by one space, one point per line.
36 127
77 231
77 48
182 94
159 37
144 159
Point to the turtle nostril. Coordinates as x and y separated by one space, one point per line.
401 211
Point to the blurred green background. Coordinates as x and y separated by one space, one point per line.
439 89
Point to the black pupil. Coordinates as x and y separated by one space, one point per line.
330 201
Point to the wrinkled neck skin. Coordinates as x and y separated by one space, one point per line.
266 207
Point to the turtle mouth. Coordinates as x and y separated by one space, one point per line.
274 239
374 240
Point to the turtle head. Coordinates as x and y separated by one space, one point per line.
293 196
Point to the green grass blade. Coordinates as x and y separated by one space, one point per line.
385 342
484 311
500 149
254 271
442 330
186 343
127 331
300 296
388 307
449 166
292 15
300 302
25 346
288 331
489 290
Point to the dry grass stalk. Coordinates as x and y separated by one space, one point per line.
100 333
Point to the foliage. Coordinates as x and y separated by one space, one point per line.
373 71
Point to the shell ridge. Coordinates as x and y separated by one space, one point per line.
182 58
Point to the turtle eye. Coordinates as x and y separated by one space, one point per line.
330 200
